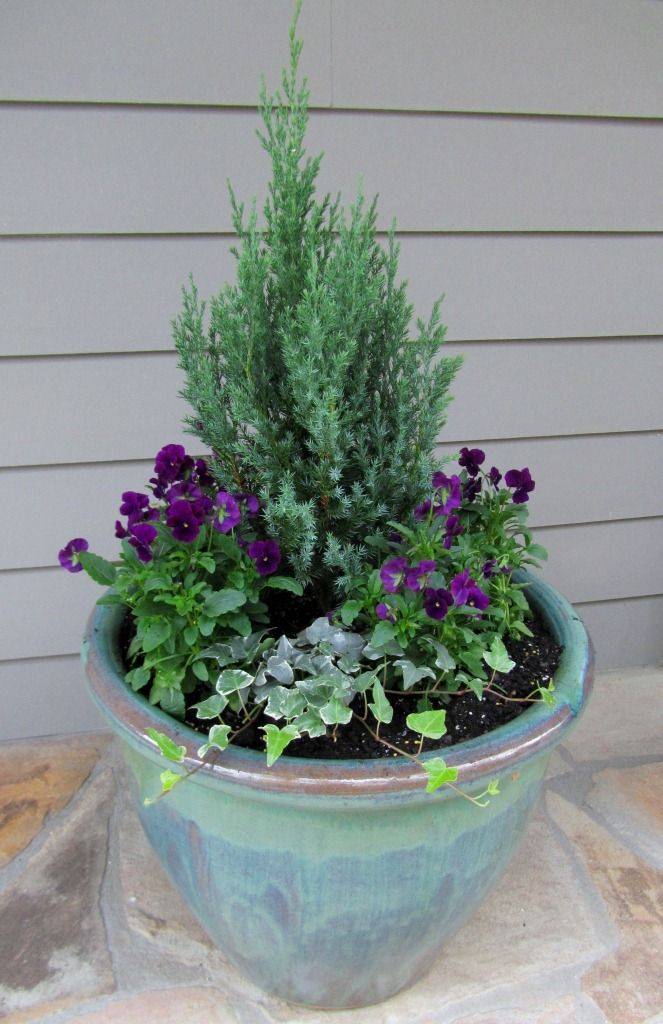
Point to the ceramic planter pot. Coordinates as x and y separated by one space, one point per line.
336 883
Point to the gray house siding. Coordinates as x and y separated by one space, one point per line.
519 147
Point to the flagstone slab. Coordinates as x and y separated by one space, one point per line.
624 717
627 983
570 1009
52 939
538 919
166 1006
38 778
631 801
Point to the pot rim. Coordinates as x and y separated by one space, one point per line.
536 731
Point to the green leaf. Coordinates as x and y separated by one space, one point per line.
110 599
477 686
362 682
206 626
190 635
170 750
438 774
208 562
218 737
443 659
218 602
97 568
155 634
349 612
382 634
159 583
285 583
169 780
497 657
233 679
311 723
200 671
431 724
537 551
211 707
240 623
276 740
381 708
138 677
520 627
335 712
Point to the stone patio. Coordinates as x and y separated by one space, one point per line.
90 930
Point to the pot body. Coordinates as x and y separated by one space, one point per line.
335 884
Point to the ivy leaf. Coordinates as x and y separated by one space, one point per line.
276 740
413 673
443 659
285 583
382 634
431 724
170 750
218 738
497 657
233 679
311 723
218 602
381 708
438 774
335 712
349 612
477 686
169 780
211 707
97 568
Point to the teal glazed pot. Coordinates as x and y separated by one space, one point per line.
336 883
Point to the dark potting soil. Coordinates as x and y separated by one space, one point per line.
536 659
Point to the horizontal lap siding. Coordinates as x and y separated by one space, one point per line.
545 233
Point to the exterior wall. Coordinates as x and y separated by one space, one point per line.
519 146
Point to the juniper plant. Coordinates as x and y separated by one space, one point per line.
304 380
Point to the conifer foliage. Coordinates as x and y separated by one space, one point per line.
303 378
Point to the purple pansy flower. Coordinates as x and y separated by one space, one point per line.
120 531
68 556
252 504
453 529
471 489
415 573
450 496
437 602
466 592
228 515
392 574
471 459
421 511
202 473
384 612
440 479
170 462
489 569
521 481
183 521
266 554
133 504
142 535
494 476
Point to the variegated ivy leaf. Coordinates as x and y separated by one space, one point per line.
218 738
438 773
311 723
362 682
320 629
280 669
212 707
413 673
276 740
284 649
233 679
335 712
285 703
